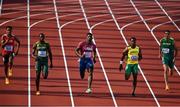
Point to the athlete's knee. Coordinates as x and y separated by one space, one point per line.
91 73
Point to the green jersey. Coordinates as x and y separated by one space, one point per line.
42 50
167 47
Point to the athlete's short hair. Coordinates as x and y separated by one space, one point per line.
167 32
10 27
133 38
89 34
41 34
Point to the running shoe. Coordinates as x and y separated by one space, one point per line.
88 91
38 93
6 81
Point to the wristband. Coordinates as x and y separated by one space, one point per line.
121 62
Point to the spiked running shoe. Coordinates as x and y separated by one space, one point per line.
88 91
6 81
38 93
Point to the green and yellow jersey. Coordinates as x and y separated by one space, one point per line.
41 50
133 55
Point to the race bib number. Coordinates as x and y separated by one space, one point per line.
42 53
87 54
134 58
165 50
8 48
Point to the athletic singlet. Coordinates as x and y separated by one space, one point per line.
133 55
167 47
87 49
42 49
9 47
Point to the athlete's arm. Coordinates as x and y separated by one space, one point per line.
160 53
18 45
50 56
125 53
34 50
77 51
140 54
4 42
95 54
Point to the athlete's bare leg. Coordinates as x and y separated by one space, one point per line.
134 83
166 76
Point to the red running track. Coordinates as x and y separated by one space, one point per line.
108 30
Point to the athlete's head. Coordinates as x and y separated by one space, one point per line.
133 41
89 37
41 37
9 30
167 33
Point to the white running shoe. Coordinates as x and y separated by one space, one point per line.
88 91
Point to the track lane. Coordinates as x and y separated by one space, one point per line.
80 98
16 92
55 86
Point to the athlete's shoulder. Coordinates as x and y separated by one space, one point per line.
37 42
3 35
46 42
137 46
128 47
172 38
82 42
164 38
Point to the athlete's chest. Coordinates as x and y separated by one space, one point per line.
41 47
88 48
11 39
133 51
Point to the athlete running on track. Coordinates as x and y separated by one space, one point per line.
133 55
10 47
41 51
86 51
168 53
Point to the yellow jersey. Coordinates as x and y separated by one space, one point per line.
133 55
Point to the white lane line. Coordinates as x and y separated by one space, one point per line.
63 51
167 15
52 18
4 14
1 7
107 80
92 27
28 24
127 45
82 19
155 39
152 32
29 54
22 18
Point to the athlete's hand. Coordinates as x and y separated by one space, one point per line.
120 67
